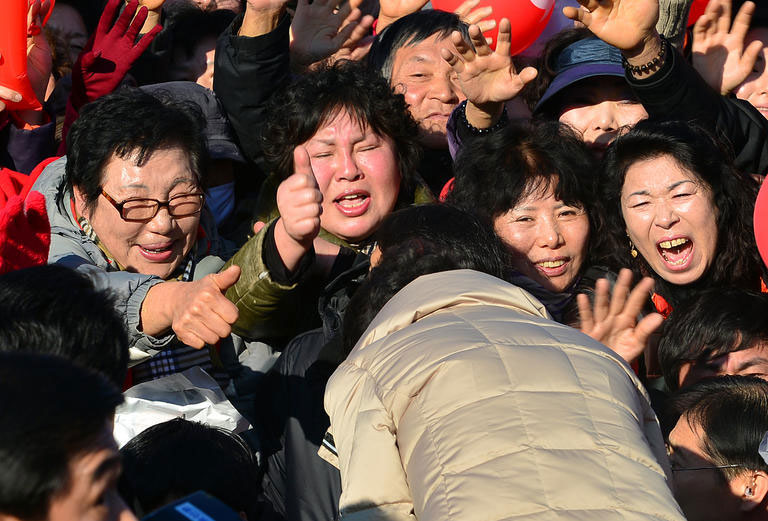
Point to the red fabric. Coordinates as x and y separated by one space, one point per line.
447 189
25 233
661 305
108 56
14 183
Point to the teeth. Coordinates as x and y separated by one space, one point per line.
551 264
350 197
673 243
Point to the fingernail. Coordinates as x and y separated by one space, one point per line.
16 97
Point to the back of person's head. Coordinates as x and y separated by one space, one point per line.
54 310
410 30
418 241
173 459
131 123
732 415
51 412
297 113
710 324
495 173
710 160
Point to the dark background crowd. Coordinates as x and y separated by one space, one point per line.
355 260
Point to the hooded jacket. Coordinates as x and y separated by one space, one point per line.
463 400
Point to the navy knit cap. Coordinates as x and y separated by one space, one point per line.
586 58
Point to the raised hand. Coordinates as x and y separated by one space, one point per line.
391 10
629 25
473 15
201 314
718 49
488 78
613 319
319 30
39 57
300 203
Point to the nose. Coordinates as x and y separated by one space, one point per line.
549 234
665 216
162 223
347 167
605 117
446 90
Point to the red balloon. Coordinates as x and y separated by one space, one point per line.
13 54
528 18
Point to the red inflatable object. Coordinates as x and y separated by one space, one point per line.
13 53
528 18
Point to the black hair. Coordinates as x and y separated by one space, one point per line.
418 241
494 173
173 459
55 310
296 114
51 412
411 30
732 414
131 123
736 261
709 324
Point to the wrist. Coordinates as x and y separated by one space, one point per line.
157 309
644 51
649 59
485 115
257 22
291 251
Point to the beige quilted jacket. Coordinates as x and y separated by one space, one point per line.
464 401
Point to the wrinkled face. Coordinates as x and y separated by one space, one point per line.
703 495
357 173
158 246
671 218
430 87
751 361
600 109
755 88
92 494
548 239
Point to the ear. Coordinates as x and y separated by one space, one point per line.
80 205
755 490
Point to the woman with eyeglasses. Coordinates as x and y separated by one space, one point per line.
718 473
126 208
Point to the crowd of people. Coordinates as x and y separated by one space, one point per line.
438 281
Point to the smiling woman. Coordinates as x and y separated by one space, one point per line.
681 209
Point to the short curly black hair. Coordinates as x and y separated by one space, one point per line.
295 115
131 122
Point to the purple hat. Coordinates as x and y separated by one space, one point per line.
586 58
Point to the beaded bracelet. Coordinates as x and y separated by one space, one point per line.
481 131
657 61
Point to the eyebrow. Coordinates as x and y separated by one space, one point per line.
751 363
669 188
110 464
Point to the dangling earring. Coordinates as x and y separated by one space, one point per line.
632 250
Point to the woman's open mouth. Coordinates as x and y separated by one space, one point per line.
553 267
160 252
353 204
677 253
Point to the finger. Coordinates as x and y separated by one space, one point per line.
360 31
136 24
701 27
124 20
478 40
646 327
345 11
751 55
528 74
602 296
742 20
585 313
344 34
146 40
258 226
189 338
9 95
108 16
620 291
463 10
638 297
217 325
478 15
227 278
302 164
453 60
504 37
461 46
204 333
485 26
578 15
